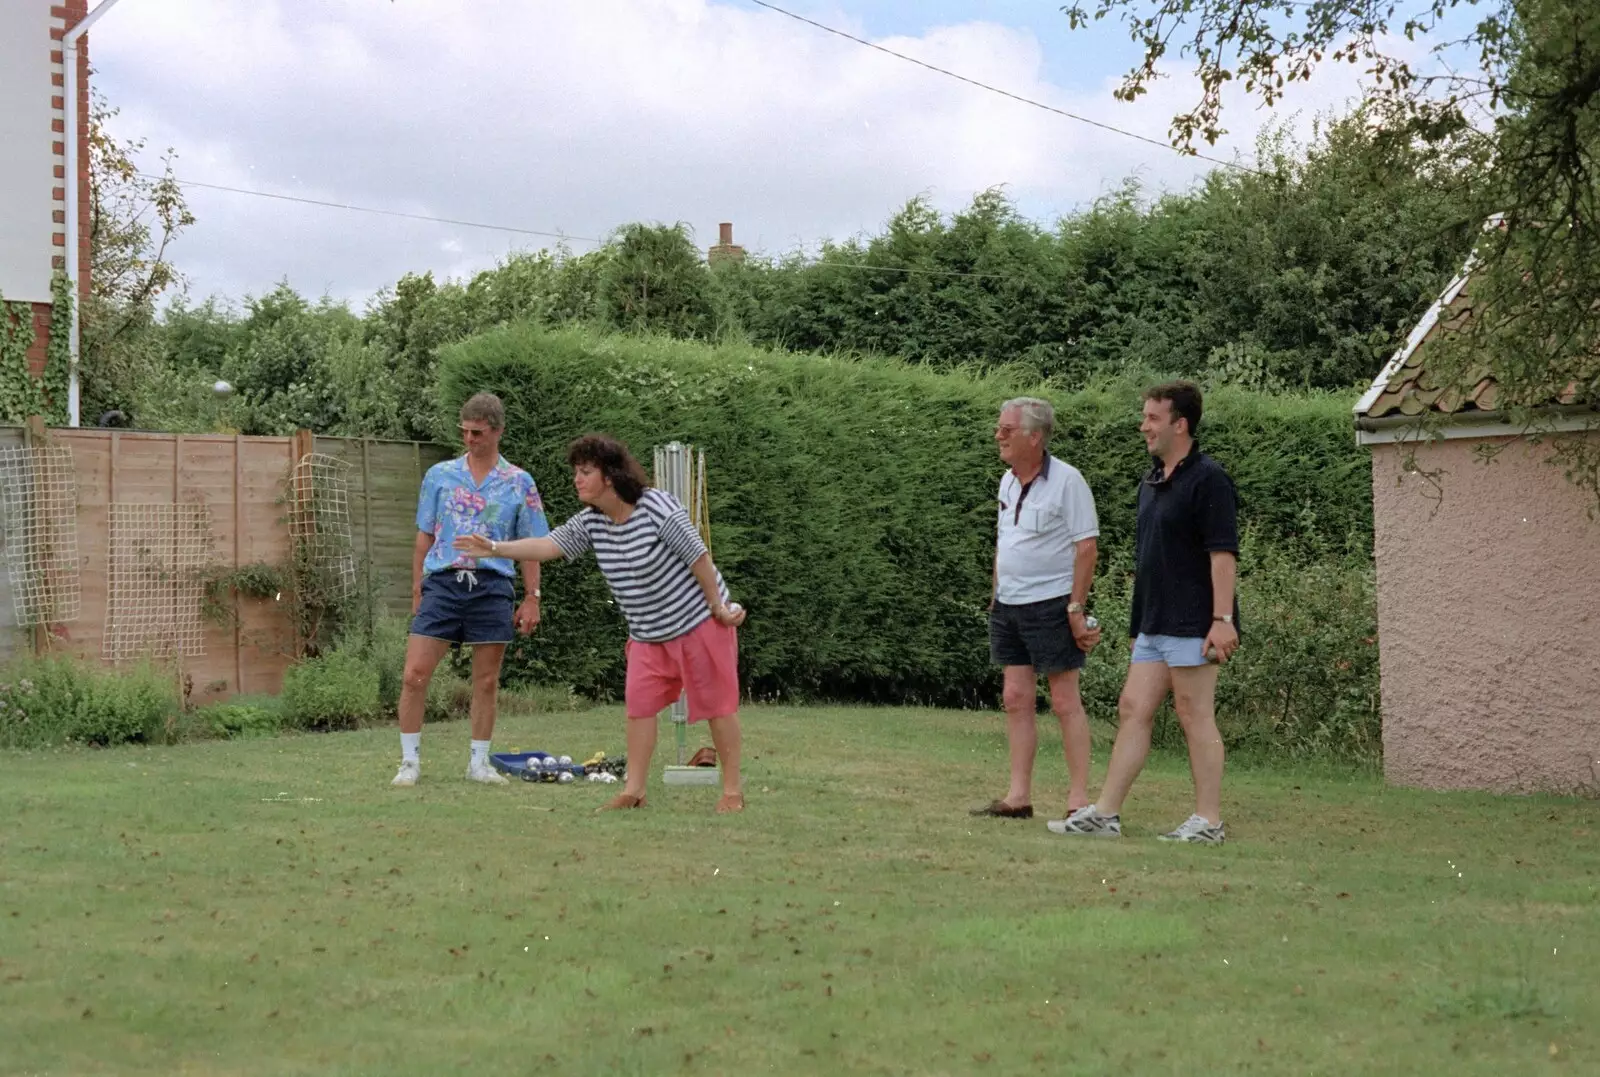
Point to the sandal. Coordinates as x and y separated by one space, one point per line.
623 800
730 802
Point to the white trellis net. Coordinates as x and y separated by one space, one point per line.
41 533
319 523
159 554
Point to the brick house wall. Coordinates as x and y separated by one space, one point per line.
64 16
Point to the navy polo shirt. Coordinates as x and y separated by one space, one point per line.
1184 518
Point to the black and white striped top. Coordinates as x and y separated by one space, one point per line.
646 561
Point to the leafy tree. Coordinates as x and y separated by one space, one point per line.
653 279
133 221
1534 139
1303 273
280 364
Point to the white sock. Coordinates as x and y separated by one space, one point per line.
480 753
410 745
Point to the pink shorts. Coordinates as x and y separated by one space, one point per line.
704 662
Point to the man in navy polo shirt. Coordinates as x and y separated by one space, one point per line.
1184 621
459 600
1045 550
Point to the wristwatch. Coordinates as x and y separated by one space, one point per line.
1225 618
533 593
494 547
1074 607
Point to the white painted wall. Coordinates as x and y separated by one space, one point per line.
26 160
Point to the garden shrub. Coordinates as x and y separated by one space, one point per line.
449 696
242 716
337 690
382 645
1305 682
63 700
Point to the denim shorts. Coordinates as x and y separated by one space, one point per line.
1034 634
1177 651
466 607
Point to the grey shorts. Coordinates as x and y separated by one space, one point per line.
1034 634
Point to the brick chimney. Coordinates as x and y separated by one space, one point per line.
725 250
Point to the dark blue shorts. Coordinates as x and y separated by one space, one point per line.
1036 634
463 612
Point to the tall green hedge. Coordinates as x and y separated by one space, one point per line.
852 501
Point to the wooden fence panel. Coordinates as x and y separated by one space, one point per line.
385 477
243 482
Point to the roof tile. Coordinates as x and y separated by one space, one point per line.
1412 389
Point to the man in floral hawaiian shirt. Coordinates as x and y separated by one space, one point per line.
461 600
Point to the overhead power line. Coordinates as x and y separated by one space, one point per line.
381 212
852 266
1003 93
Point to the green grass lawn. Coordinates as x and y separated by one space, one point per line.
273 907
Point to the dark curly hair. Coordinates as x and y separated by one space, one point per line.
616 463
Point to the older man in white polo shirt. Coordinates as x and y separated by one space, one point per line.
1043 566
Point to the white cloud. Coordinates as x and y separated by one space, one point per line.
580 117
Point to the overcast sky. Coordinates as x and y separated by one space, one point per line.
576 116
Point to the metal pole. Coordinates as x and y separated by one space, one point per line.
674 472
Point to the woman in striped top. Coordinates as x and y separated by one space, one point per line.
681 630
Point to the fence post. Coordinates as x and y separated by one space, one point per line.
301 445
33 434
238 538
366 529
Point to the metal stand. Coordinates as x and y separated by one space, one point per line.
680 470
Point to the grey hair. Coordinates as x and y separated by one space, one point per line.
1037 416
484 408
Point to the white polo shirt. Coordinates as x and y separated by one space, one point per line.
1039 529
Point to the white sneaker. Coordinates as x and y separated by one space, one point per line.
1088 822
483 772
1198 830
410 771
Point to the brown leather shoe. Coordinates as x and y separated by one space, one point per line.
730 802
705 757
623 800
999 809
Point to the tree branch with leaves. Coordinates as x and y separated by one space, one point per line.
1529 117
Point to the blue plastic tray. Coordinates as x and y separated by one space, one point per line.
515 764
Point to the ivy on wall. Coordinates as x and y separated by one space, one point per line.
22 395
58 351
20 392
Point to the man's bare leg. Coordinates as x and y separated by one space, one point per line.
422 657
1147 685
1020 695
1194 693
486 660
1067 703
423 654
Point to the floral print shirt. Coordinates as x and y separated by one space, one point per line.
505 506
